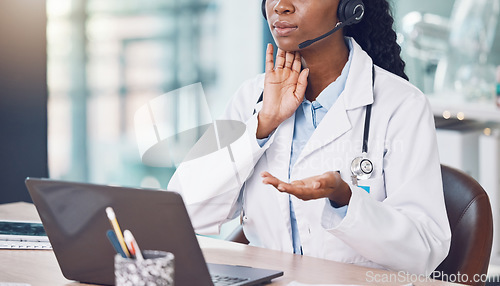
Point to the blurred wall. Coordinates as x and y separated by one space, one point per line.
442 8
23 96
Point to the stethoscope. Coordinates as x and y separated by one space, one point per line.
361 166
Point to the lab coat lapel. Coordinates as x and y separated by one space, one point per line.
334 124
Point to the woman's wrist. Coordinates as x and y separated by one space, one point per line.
341 197
265 126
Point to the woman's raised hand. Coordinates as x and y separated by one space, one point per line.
284 88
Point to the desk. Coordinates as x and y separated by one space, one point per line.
39 267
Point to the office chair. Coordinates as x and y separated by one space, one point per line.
238 236
471 222
470 218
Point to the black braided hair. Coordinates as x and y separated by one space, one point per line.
375 34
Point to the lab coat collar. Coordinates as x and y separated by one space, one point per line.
358 90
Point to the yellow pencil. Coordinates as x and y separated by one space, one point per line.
116 227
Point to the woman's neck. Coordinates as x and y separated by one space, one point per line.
325 61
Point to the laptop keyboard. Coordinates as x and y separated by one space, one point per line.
221 280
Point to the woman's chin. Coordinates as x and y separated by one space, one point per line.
287 45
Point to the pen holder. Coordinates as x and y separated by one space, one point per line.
157 268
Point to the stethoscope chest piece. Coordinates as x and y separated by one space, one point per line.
361 168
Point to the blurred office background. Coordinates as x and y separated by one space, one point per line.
23 96
108 58
74 72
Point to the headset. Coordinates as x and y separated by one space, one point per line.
349 12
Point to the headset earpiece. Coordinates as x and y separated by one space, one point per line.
264 9
349 8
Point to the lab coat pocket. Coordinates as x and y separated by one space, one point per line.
374 186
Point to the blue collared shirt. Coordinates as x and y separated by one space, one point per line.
307 117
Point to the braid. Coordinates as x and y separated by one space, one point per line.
377 37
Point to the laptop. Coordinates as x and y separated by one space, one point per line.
74 218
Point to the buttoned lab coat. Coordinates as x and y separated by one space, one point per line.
400 223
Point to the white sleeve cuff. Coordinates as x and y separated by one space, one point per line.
332 216
343 217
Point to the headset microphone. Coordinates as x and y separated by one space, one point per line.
359 12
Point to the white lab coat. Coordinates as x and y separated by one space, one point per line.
400 225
